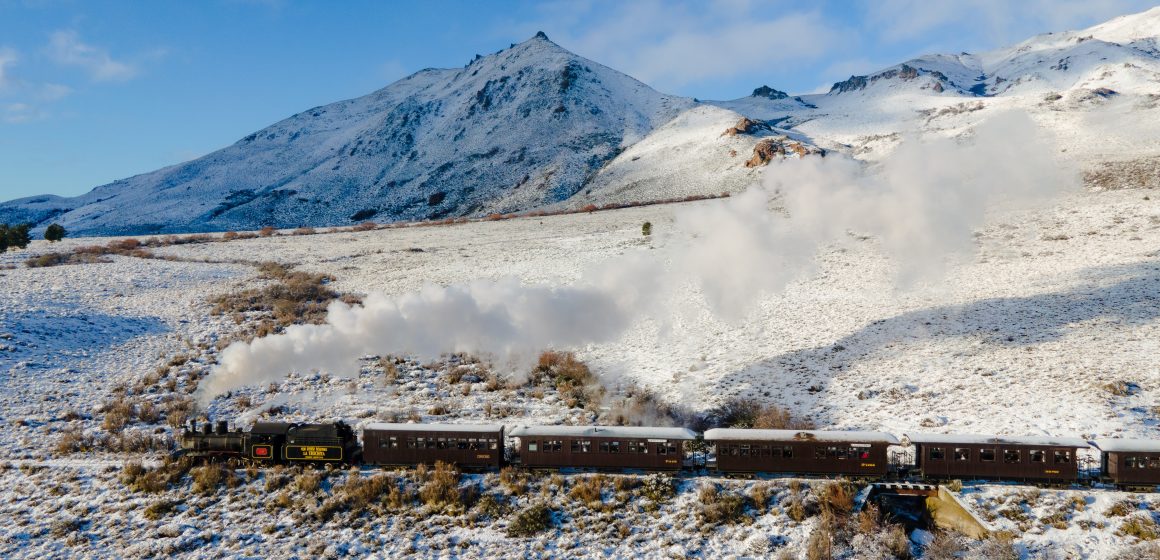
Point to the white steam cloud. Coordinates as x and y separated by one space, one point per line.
922 204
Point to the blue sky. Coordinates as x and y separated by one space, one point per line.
94 91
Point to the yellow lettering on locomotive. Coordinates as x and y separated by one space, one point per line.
313 453
869 465
1051 472
483 456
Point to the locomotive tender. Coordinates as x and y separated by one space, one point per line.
1126 463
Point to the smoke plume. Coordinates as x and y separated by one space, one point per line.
921 204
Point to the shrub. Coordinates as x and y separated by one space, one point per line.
207 478
54 233
74 441
720 507
267 231
514 480
646 229
1139 526
748 413
820 545
837 498
588 490
442 490
531 521
1121 508
365 226
760 495
118 414
659 487
159 509
308 482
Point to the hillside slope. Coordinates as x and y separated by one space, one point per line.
437 143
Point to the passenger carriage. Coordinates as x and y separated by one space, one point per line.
970 456
469 446
1130 463
851 453
602 447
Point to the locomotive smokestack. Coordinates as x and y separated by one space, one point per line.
222 427
207 429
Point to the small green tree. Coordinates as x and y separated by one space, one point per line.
3 238
646 229
18 235
54 233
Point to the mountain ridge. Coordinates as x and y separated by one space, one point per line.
535 125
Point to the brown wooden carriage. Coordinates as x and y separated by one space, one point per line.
468 446
852 453
970 456
1130 463
611 447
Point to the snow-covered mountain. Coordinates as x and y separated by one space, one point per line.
517 129
536 125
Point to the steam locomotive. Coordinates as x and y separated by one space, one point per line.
1125 463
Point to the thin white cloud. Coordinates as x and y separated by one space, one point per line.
669 45
16 113
8 57
1001 21
66 48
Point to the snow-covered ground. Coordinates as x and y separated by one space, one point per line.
1023 337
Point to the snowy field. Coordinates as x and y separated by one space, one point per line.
1028 335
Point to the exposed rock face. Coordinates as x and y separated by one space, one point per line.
780 146
769 93
745 126
855 83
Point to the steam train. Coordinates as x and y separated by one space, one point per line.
1126 463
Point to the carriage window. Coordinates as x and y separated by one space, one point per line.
1062 457
840 452
394 442
962 454
473 443
585 446
787 452
492 443
383 443
604 447
859 453
744 450
1154 462
461 443
819 453
614 447
575 446
442 443
938 453
672 448
553 446
1011 456
1038 456
533 446
410 443
987 455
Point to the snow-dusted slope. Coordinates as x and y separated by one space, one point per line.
691 155
520 128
